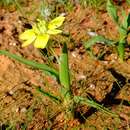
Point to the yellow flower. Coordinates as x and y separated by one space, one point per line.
41 31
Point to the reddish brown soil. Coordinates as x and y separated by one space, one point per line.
20 103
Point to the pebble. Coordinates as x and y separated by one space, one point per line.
23 110
11 92
81 76
92 86
12 44
92 34
74 54
17 109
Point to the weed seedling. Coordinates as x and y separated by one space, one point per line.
92 3
123 29
7 2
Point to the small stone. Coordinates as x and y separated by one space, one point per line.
11 92
92 86
17 109
12 44
81 76
23 110
74 54
63 14
92 34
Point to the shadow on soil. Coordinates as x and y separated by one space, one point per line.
109 100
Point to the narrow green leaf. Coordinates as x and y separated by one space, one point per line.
122 32
121 49
126 21
64 68
91 103
23 126
64 75
112 11
128 1
39 89
98 39
33 64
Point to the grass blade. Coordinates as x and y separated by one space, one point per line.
128 1
64 76
93 104
33 64
64 68
112 11
98 39
126 21
121 49
56 99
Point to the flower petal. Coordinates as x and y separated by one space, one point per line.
28 34
29 41
55 23
42 26
41 41
54 31
35 29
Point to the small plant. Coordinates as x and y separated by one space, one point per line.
67 100
16 3
7 2
92 3
123 29
128 2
